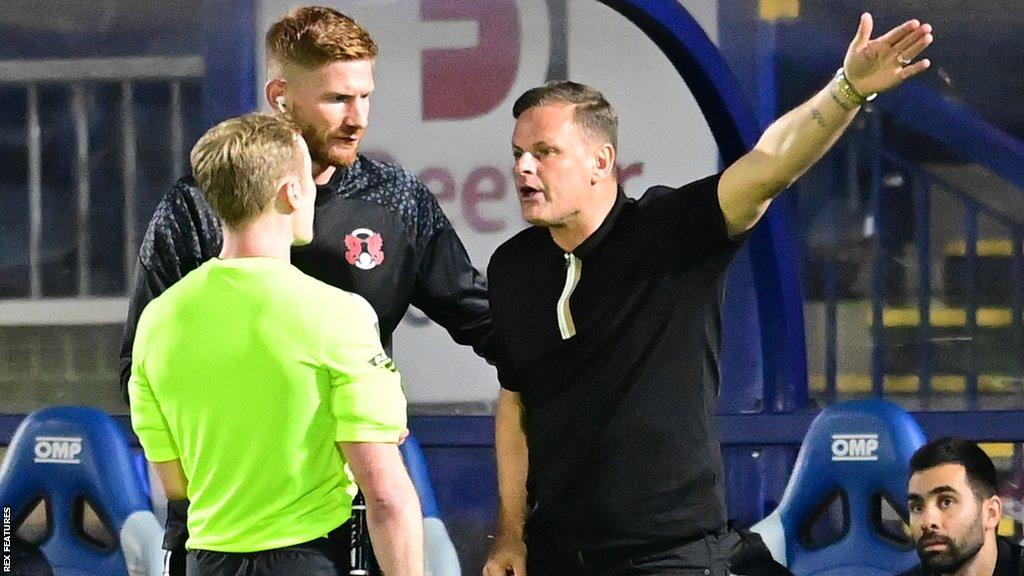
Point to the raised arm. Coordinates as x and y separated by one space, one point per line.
508 553
797 140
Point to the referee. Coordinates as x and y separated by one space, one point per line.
258 393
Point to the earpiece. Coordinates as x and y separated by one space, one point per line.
280 103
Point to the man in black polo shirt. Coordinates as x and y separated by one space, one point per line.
955 512
607 320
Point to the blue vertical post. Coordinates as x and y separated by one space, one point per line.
1017 278
229 53
767 110
970 293
767 90
878 264
795 394
839 183
922 218
831 330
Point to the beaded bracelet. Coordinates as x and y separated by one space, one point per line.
846 95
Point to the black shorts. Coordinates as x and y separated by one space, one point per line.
176 534
321 557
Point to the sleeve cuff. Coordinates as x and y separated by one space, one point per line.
158 451
345 433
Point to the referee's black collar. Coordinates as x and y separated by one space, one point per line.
594 239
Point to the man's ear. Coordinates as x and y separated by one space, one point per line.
275 94
604 162
993 512
288 196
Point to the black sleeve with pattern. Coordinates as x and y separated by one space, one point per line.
182 234
449 289
137 300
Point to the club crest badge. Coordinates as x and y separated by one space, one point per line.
364 249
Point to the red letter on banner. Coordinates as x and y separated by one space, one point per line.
470 82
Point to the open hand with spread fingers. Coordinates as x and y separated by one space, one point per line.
873 66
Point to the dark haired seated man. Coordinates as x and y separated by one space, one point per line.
955 511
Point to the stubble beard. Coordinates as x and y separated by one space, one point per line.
957 553
319 146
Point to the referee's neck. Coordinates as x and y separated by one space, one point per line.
259 239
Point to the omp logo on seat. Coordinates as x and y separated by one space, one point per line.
854 447
58 449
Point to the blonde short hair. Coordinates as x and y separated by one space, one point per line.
238 162
316 35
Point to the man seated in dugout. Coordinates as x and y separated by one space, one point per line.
955 511
259 392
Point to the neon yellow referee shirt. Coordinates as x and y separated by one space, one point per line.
249 371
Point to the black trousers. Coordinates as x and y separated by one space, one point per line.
321 557
719 554
176 534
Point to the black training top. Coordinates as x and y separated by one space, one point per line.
620 385
1009 561
378 232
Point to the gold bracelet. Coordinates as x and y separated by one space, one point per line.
846 95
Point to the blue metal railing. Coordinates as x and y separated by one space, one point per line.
867 149
877 270
933 117
922 208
